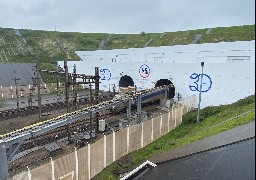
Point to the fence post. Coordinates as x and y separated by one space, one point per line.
161 124
105 150
172 112
89 161
29 174
152 130
52 165
175 115
142 138
114 146
181 114
3 162
168 122
76 156
128 138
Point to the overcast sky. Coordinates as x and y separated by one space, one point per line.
125 16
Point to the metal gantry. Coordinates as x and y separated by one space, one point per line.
74 79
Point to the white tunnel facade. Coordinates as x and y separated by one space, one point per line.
228 71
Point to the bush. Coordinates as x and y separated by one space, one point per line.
190 117
143 33
245 101
206 112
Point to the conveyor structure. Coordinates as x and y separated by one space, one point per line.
13 140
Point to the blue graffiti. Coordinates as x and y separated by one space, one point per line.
194 84
105 74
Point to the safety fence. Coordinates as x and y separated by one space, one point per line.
86 162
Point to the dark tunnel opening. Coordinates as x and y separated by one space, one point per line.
126 81
162 82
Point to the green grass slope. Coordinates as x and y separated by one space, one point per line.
50 46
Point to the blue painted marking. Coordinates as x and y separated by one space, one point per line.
194 84
144 71
105 74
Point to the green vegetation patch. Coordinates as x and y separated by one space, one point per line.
49 46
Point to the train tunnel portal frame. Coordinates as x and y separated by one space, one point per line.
162 82
126 81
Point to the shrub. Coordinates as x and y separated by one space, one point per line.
143 33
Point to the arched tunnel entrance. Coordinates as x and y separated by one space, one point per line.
126 81
163 82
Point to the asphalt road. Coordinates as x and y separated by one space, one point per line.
232 162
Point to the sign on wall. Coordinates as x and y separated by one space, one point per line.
144 71
195 80
105 74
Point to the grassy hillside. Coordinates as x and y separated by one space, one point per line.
49 46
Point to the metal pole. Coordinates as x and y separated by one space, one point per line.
129 109
17 96
139 107
114 89
4 175
90 123
166 92
200 92
16 85
67 96
109 90
66 85
97 86
74 87
30 99
39 93
139 103
57 79
90 85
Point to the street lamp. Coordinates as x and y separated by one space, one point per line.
200 92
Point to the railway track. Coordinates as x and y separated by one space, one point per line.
26 111
50 124
54 129
80 126
111 117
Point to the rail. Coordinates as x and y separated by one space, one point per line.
50 124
